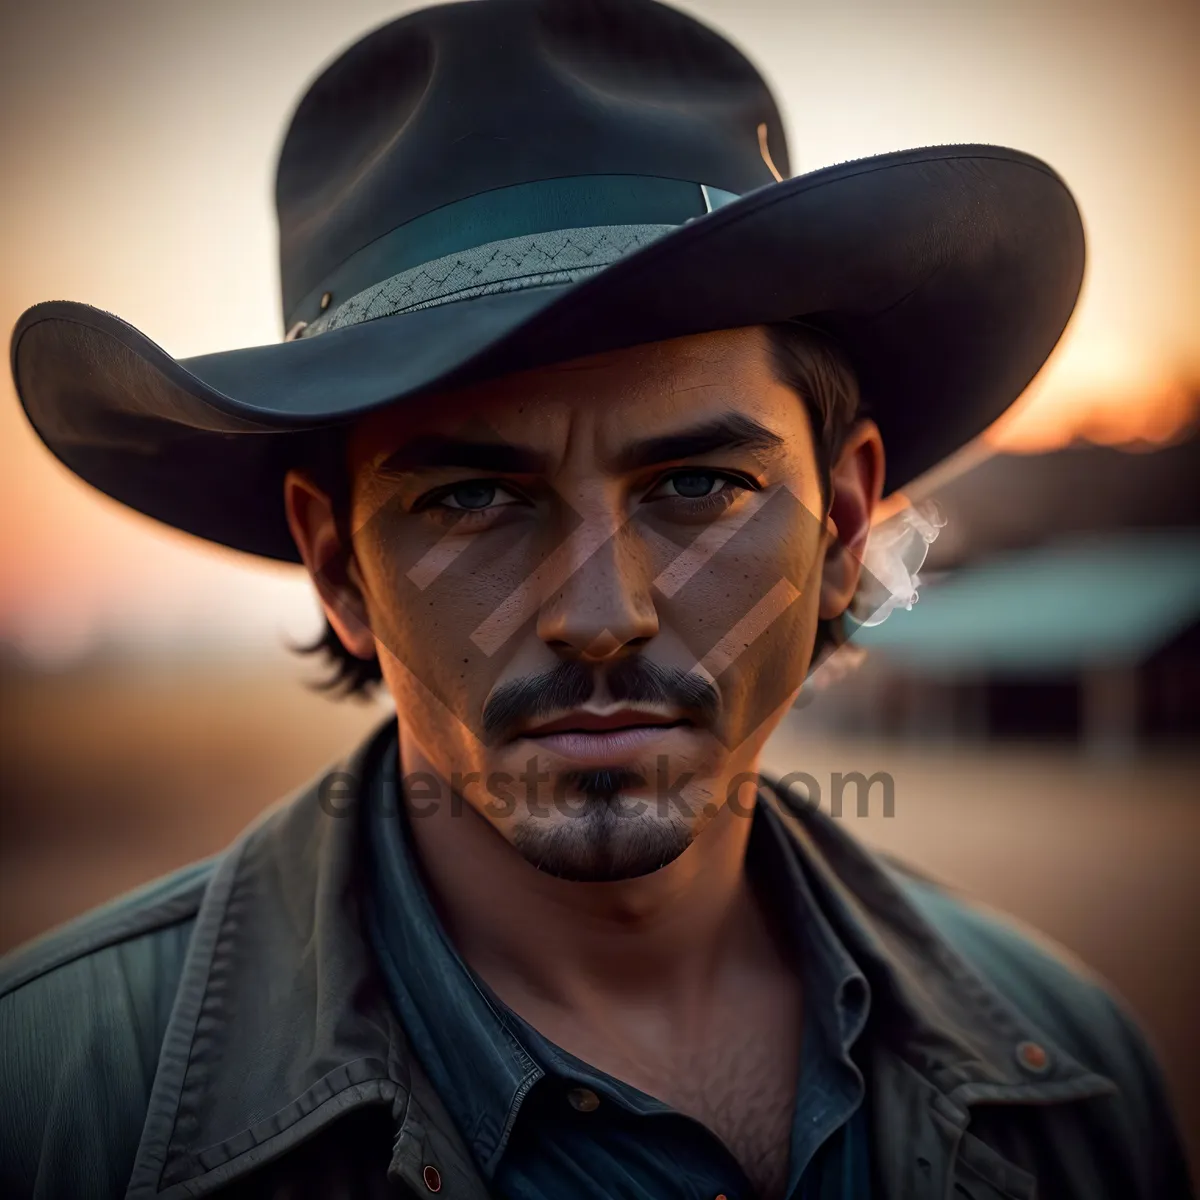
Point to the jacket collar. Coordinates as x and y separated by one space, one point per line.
279 973
944 1019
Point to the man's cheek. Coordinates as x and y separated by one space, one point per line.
748 623
768 672
427 627
433 696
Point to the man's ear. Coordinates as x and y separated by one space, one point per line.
856 484
333 567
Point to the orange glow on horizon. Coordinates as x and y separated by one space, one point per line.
1113 397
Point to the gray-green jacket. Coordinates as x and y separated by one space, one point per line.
222 1031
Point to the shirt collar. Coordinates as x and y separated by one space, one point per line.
837 993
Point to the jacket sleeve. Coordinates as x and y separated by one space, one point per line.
1134 1133
1136 1069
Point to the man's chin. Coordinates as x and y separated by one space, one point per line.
602 840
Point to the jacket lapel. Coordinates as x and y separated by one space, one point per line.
279 1024
950 1040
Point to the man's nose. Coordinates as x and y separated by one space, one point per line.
604 608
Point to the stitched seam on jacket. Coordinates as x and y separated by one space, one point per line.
355 1077
153 1157
173 909
356 1097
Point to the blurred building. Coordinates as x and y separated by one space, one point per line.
1061 603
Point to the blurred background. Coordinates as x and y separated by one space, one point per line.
1036 710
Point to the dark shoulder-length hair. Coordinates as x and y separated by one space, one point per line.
808 361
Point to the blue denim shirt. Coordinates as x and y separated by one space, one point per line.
509 1089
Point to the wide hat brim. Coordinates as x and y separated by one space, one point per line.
948 274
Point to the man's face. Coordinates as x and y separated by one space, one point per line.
593 589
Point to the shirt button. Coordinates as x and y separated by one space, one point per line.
583 1099
1033 1057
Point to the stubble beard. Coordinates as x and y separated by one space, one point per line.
603 832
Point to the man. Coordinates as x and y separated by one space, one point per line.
570 429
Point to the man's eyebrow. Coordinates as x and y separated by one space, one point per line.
438 450
727 432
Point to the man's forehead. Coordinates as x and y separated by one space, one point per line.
640 391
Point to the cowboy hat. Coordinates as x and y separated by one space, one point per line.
477 188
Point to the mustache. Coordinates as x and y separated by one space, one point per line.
571 684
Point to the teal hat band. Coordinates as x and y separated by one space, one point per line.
452 236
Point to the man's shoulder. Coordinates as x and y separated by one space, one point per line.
83 1012
1079 1011
1038 976
139 918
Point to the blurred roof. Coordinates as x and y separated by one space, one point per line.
1058 607
1013 501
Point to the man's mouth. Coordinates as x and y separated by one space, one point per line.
603 738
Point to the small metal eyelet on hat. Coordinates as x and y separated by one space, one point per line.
326 297
432 1177
293 333
1033 1057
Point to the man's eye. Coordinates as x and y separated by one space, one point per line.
473 496
693 485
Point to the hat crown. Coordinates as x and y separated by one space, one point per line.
454 101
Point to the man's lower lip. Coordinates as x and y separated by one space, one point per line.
605 746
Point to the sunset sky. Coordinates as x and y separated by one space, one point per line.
137 147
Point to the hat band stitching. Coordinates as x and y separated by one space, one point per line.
508 265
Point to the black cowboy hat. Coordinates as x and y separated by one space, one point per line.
481 187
